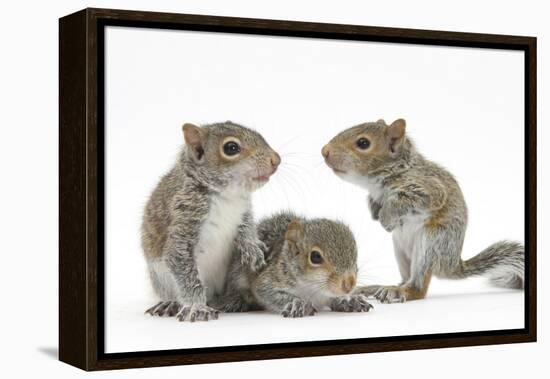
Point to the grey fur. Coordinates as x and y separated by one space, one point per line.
290 284
180 205
502 262
422 205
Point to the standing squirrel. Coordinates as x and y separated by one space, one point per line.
422 205
311 265
200 212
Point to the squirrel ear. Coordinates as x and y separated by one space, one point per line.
396 134
194 138
381 121
294 231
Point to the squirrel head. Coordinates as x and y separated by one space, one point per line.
229 153
325 254
365 148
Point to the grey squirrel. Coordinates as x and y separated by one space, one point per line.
200 214
311 265
422 205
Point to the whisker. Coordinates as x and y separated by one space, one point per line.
298 154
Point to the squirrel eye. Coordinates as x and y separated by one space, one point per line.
231 148
315 257
363 143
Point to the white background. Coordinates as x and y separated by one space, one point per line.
464 107
29 193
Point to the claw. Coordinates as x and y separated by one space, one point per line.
353 303
152 309
197 312
163 308
298 308
253 258
390 294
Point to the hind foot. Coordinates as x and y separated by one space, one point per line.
391 294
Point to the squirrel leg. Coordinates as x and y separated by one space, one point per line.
406 292
281 301
414 289
164 289
190 291
390 214
404 201
374 208
416 285
231 303
289 305
404 265
298 308
403 261
248 244
353 303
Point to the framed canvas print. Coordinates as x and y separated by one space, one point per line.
242 189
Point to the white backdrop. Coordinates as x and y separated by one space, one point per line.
28 159
464 107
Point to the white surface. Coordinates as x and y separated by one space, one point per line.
28 159
450 307
464 107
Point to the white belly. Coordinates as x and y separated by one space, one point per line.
214 249
409 237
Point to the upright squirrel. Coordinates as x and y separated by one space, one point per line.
311 265
200 213
422 205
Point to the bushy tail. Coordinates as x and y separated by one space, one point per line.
502 262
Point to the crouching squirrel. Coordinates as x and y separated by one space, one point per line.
311 265
200 214
422 205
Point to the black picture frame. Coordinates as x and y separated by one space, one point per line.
81 196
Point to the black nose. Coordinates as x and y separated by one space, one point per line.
325 151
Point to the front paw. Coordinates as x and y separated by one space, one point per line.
252 256
388 220
353 303
374 208
298 308
391 294
197 312
367 291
